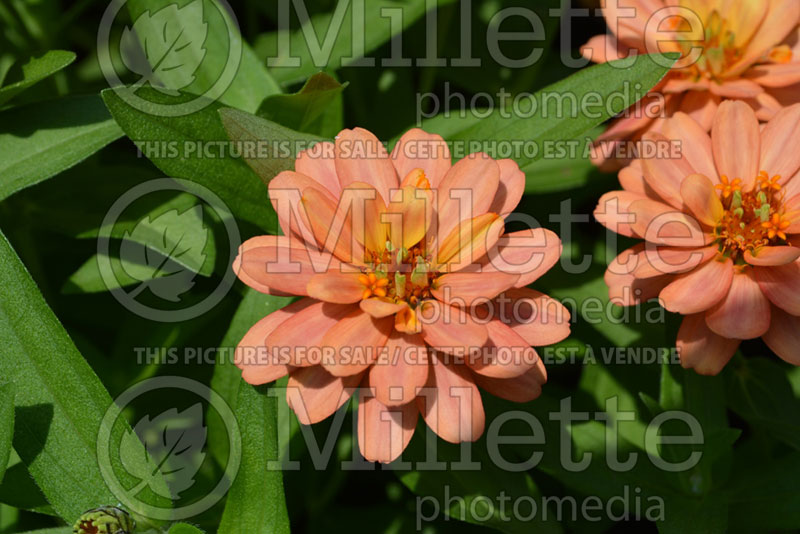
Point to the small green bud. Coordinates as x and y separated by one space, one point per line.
105 520
419 276
765 208
736 201
400 285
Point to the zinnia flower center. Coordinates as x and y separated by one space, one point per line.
751 219
719 48
399 275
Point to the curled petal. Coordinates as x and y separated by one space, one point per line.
382 307
505 355
418 149
700 196
539 319
775 74
318 163
301 334
699 289
527 253
401 369
662 225
408 216
631 178
702 107
258 365
783 336
741 88
384 432
781 285
354 342
314 394
772 256
665 175
656 261
336 287
695 143
779 154
285 191
510 188
361 157
451 403
523 388
701 349
331 226
613 211
281 270
449 328
603 48
744 313
468 242
467 289
466 192
736 140
624 289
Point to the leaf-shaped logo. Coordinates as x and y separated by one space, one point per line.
166 244
169 48
173 444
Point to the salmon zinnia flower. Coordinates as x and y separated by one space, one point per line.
720 224
731 49
412 292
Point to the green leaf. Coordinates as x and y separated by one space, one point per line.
58 396
34 70
705 515
55 530
562 171
329 40
561 111
313 109
40 140
248 129
174 441
761 394
88 279
480 490
255 502
160 242
763 494
184 528
186 46
6 425
229 177
20 491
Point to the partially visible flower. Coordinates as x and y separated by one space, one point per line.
720 225
411 290
747 50
105 520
